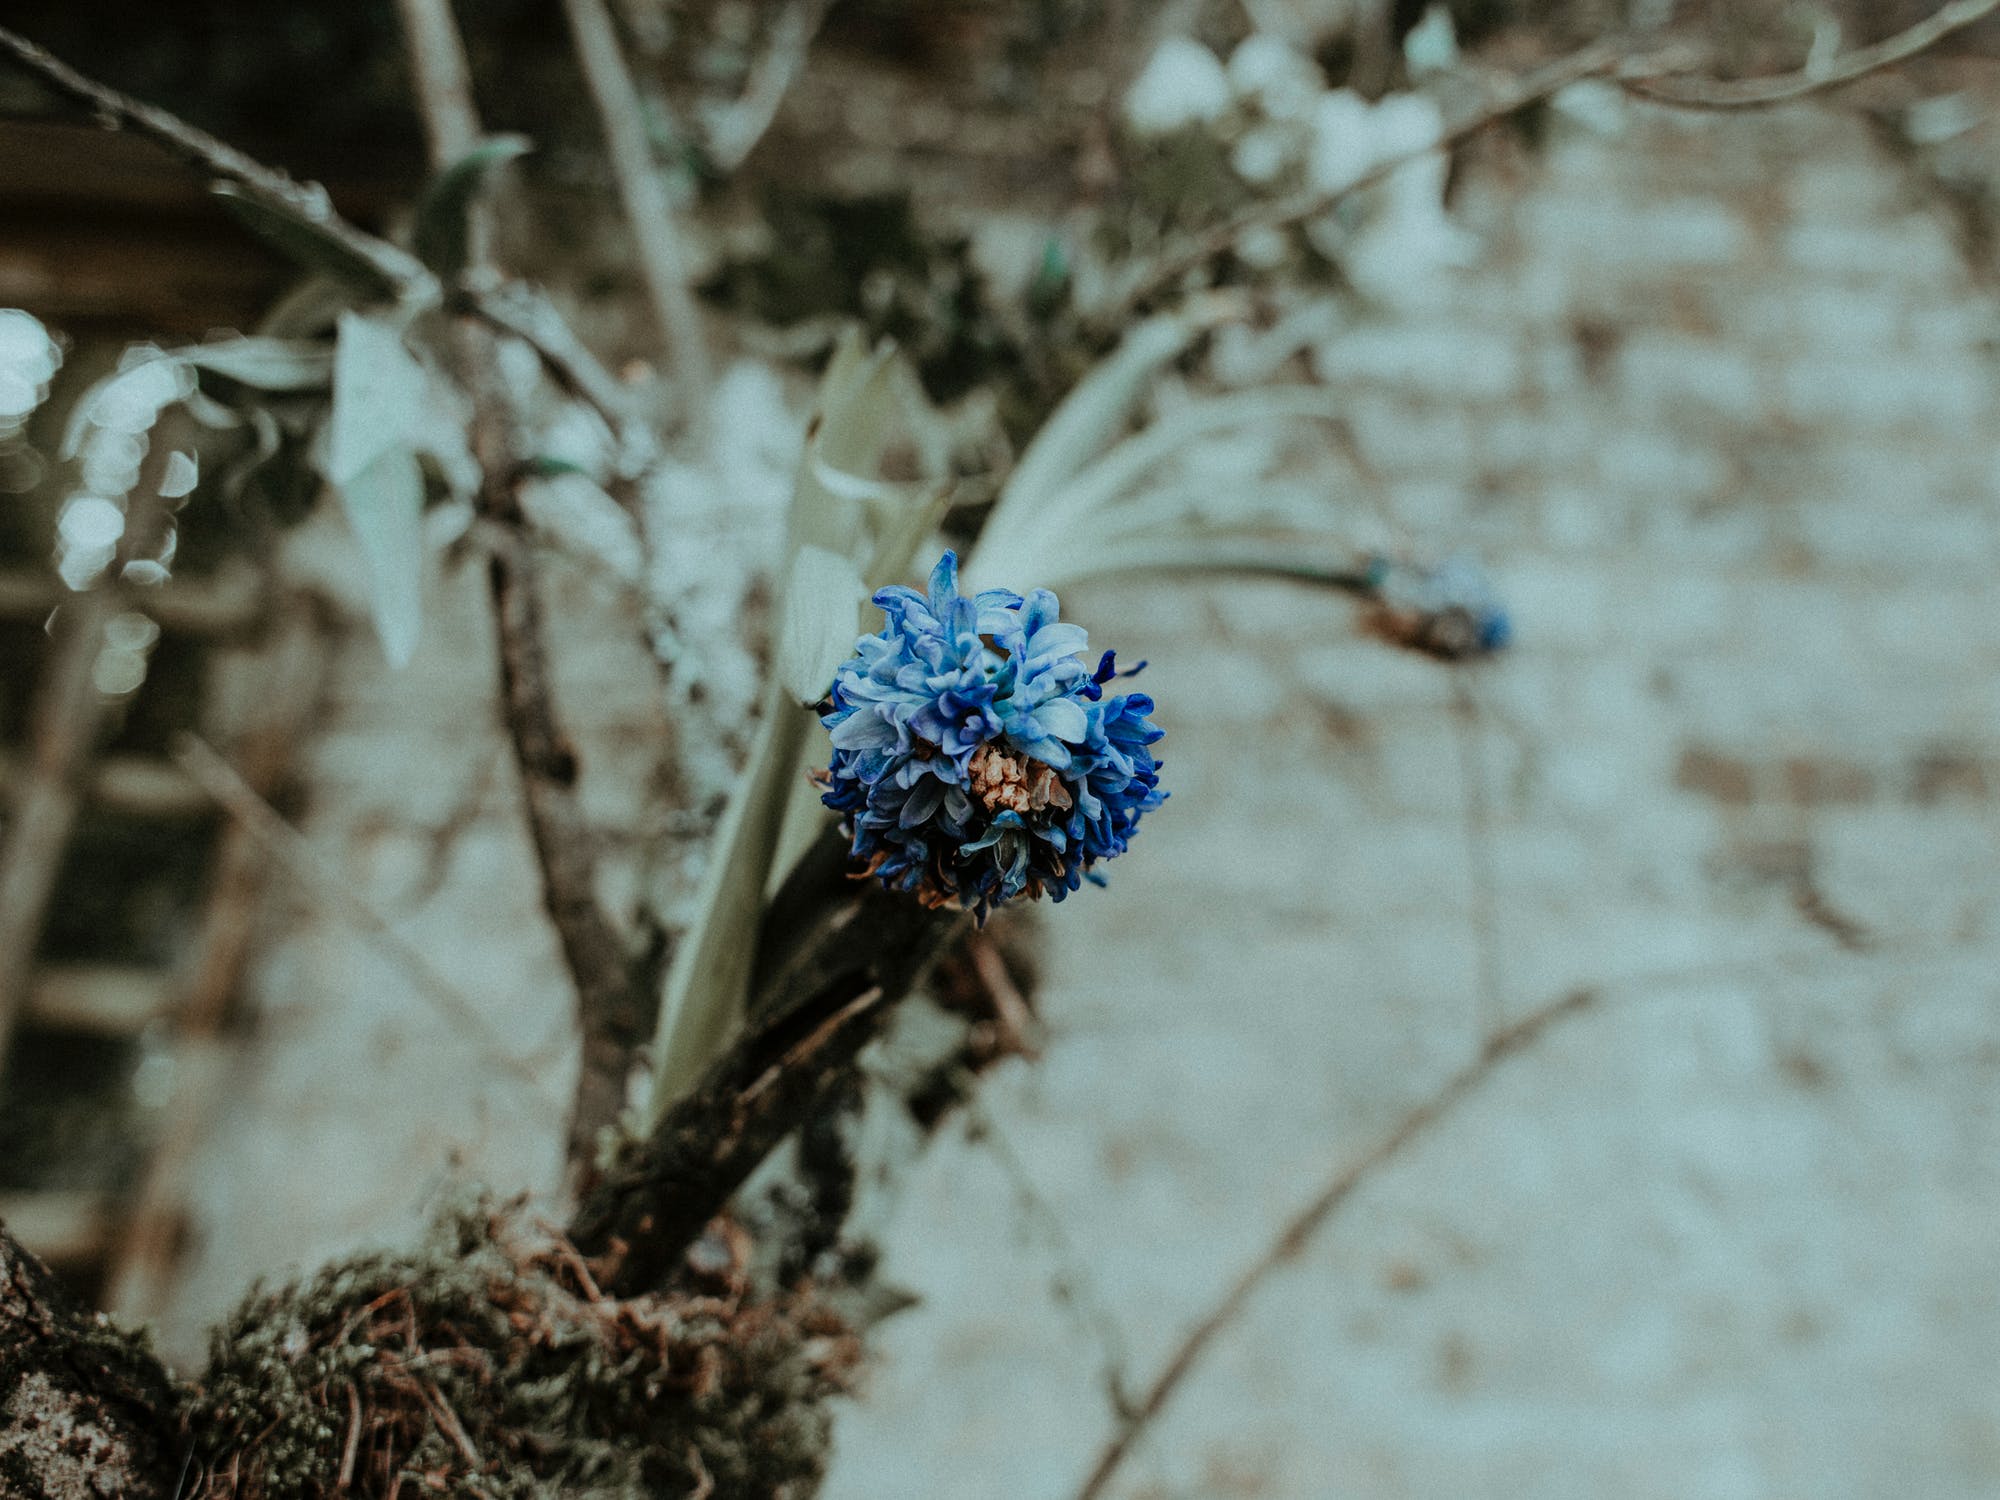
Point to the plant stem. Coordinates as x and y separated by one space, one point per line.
657 238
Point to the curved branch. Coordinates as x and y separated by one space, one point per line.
1757 93
1599 59
1299 1231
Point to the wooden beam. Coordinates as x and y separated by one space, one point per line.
228 604
98 999
65 1228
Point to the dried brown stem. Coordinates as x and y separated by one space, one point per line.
810 1014
615 1002
1758 93
657 237
613 996
1299 1231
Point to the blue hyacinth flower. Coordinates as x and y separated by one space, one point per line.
976 758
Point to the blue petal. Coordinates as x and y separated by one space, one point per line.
944 582
1064 718
865 731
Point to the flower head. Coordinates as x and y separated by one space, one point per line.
1449 611
976 757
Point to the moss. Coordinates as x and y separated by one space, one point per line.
490 1365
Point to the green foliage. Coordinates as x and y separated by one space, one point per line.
443 236
309 243
370 460
823 594
836 515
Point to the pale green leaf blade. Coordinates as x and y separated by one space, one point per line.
1016 539
850 426
267 364
444 217
710 976
1092 413
311 244
379 390
822 618
384 505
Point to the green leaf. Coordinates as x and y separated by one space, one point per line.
710 977
850 425
444 217
1016 535
380 393
308 242
1101 482
822 618
267 364
1302 559
384 504
1088 417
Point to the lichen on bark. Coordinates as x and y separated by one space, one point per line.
86 1411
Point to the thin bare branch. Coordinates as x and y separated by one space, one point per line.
1599 59
1758 93
218 159
616 1002
663 258
614 996
736 128
331 890
512 308
443 79
1300 1230
1079 1284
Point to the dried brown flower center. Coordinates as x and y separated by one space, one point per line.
1005 782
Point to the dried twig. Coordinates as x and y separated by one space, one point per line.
614 998
1299 1231
275 190
1756 93
330 889
616 1002
1599 59
657 238
737 128
1078 1284
512 308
